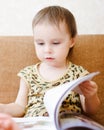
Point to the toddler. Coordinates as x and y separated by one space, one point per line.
55 31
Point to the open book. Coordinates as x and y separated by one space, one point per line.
52 100
68 122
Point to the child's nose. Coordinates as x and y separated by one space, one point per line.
47 49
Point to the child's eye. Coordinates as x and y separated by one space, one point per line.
41 43
56 43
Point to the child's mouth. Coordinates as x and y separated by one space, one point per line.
49 58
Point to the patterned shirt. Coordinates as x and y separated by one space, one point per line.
38 86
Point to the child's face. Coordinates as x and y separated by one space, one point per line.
52 43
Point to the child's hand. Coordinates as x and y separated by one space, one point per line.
6 123
89 89
92 101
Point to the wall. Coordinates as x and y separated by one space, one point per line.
16 15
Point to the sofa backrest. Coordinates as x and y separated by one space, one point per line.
16 52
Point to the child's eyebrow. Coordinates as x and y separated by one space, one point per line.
38 40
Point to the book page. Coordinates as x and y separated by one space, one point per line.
35 123
79 122
55 96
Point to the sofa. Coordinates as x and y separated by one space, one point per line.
16 52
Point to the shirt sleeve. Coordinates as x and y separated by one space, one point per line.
26 74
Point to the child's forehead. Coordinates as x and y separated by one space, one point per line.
46 23
58 29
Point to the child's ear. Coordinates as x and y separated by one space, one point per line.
73 40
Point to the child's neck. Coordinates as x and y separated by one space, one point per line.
51 73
